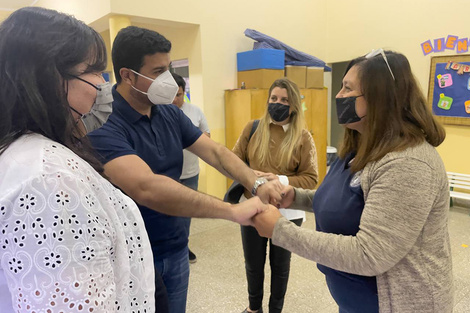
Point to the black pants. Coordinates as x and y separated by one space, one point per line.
254 249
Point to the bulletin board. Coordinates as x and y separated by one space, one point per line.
449 89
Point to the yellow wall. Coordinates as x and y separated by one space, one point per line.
4 14
85 10
455 150
356 27
107 42
210 33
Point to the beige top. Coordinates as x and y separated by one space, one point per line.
403 235
303 168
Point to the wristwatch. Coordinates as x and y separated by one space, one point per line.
258 182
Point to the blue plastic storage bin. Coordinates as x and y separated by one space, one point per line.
260 58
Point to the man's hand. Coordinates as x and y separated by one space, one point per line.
270 192
244 211
265 221
288 196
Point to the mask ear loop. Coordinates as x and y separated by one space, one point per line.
85 81
138 74
67 95
141 75
361 117
81 114
92 85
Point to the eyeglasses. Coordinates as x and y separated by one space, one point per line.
376 52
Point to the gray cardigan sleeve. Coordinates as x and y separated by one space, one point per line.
400 196
303 199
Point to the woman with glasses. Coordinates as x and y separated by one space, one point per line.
281 149
69 240
381 235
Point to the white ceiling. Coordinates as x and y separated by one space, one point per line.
12 5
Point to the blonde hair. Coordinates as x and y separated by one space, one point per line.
262 135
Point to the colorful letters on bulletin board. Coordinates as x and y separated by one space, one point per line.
451 96
449 89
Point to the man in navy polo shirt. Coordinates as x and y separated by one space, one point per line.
141 146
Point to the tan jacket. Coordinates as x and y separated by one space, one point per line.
303 168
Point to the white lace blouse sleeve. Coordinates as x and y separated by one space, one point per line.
60 247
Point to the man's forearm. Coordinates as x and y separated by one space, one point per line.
236 169
233 167
167 196
224 160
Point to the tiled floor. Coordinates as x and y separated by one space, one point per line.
218 285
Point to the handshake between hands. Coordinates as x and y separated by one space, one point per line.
262 211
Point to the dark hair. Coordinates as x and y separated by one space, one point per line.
179 80
39 50
132 44
397 113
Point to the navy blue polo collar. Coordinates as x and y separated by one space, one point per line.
125 110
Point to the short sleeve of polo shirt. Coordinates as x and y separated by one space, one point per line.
119 136
111 142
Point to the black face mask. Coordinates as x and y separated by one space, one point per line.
346 110
278 111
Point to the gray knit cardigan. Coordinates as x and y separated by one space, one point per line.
403 235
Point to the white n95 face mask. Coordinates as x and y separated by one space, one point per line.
162 90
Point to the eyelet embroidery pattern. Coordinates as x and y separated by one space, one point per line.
63 198
15 265
52 260
71 242
27 201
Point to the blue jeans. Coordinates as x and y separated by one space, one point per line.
175 269
175 273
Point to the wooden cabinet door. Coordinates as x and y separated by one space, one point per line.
237 114
315 111
242 106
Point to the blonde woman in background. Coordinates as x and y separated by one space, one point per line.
280 148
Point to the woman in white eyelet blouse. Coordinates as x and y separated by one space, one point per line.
69 240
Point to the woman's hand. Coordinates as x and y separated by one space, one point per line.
288 196
268 176
266 220
243 212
